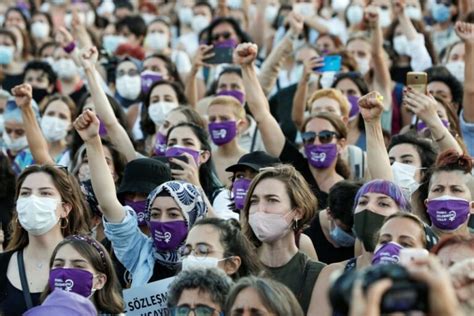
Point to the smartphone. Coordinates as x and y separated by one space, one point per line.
331 63
417 81
174 166
407 255
222 55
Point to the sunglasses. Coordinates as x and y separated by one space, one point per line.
200 310
325 137
225 35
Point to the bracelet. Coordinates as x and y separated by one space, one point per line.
70 47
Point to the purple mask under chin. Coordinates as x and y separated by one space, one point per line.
160 145
321 156
239 95
448 213
240 188
140 209
421 125
168 235
222 132
176 151
148 78
74 280
102 129
387 253
353 100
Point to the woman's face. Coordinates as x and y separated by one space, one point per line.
441 90
84 171
457 53
192 298
348 87
377 203
6 41
157 65
454 253
165 209
248 302
451 183
318 125
58 109
223 31
14 18
406 154
325 44
360 49
270 196
184 136
39 18
403 231
230 81
326 104
158 27
163 93
173 118
68 258
127 68
41 184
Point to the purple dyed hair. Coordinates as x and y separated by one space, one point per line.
388 188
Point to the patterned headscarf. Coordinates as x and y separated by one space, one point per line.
192 205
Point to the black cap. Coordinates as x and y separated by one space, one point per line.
255 161
143 175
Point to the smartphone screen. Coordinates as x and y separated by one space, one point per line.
407 255
222 55
331 63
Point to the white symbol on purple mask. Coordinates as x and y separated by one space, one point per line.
451 216
167 237
319 156
222 133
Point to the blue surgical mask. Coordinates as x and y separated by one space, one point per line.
341 237
6 54
440 12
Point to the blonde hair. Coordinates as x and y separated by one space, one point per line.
332 94
237 108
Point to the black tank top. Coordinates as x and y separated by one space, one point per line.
327 253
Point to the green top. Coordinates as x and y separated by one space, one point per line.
299 275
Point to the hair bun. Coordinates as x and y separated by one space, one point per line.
452 160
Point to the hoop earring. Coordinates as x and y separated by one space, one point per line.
295 224
67 222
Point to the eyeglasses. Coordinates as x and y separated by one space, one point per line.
199 310
200 250
217 36
325 137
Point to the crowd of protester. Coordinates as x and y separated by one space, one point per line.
237 157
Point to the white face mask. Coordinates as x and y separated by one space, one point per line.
355 14
327 79
270 13
107 7
414 13
185 15
40 30
297 73
65 68
339 5
129 87
54 128
363 64
37 215
193 262
234 4
400 43
159 110
199 23
156 41
456 68
306 9
404 177
385 17
15 145
112 42
2 123
84 173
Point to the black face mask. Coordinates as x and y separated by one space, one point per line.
366 225
39 94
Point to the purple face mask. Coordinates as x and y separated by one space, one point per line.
222 132
239 95
102 129
448 212
74 280
387 253
139 207
232 43
168 235
239 191
148 78
160 145
321 156
353 100
420 126
176 151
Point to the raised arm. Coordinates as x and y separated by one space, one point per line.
36 141
192 83
258 25
301 94
465 31
87 125
378 163
381 81
424 106
117 133
272 135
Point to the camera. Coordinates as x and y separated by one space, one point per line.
405 295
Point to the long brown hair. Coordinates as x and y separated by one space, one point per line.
298 190
341 166
78 219
108 299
